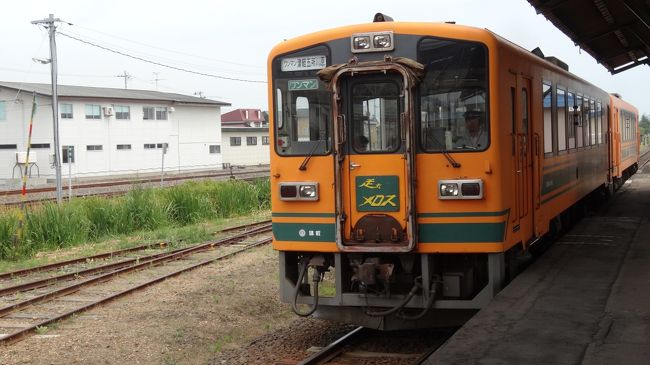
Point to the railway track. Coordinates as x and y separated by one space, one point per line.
86 189
28 303
644 159
413 347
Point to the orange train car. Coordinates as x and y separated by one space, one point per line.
625 137
413 163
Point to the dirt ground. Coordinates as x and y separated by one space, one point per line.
189 319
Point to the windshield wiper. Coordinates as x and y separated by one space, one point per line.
451 160
303 165
444 152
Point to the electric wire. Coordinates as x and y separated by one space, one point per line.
163 59
160 64
165 49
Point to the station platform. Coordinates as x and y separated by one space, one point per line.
585 301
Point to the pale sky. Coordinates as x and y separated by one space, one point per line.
233 39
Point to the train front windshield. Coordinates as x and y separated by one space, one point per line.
454 113
302 104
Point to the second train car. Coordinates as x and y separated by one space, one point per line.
412 163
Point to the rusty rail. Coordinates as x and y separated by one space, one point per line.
17 335
56 265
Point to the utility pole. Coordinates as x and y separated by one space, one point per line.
48 23
156 79
126 77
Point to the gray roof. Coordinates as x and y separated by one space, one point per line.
244 129
108 93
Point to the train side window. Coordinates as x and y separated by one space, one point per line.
278 109
571 121
547 99
592 122
513 131
578 115
585 119
599 122
524 111
561 119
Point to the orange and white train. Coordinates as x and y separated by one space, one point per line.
413 163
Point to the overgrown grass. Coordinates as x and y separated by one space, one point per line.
50 227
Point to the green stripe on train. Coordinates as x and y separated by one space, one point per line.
462 232
307 215
463 214
309 232
429 233
556 179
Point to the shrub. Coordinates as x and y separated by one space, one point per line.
56 226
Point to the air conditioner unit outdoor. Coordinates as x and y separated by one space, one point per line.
108 111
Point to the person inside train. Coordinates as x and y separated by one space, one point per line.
475 135
362 143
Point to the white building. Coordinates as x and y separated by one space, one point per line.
109 131
243 146
245 136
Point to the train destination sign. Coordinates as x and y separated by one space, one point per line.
310 84
304 63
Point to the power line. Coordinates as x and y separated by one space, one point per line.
165 49
158 63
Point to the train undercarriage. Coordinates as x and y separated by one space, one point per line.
391 291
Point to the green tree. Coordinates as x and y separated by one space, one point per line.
644 124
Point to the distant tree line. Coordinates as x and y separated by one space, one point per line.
644 124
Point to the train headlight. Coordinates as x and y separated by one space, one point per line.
449 189
460 189
309 192
382 41
361 42
372 42
299 191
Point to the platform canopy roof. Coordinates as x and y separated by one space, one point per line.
615 32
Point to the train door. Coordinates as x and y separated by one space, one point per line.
376 177
524 171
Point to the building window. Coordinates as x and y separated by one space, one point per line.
251 141
154 113
68 154
8 146
3 110
215 148
161 113
148 113
154 146
93 111
122 112
40 145
124 147
235 141
94 147
66 111
265 140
